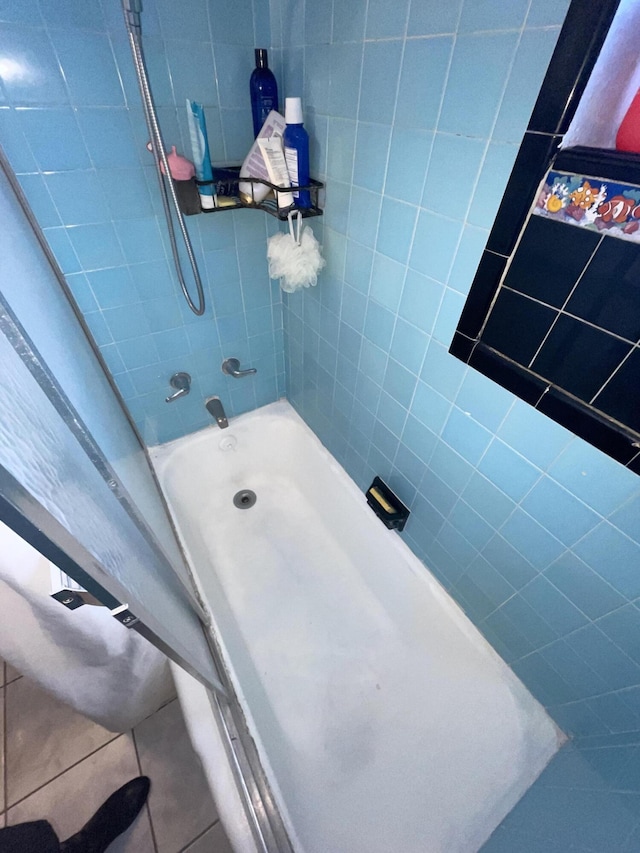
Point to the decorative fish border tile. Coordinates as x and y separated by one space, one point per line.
595 203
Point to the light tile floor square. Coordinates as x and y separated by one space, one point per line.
178 810
44 737
60 766
71 798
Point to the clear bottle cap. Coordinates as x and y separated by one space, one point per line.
293 110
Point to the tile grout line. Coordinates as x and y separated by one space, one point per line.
416 219
409 248
58 775
632 343
466 223
590 623
351 185
477 470
415 228
566 301
496 437
592 402
200 835
561 592
146 805
483 159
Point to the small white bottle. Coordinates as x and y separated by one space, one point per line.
296 150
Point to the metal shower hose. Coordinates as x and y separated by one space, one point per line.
132 9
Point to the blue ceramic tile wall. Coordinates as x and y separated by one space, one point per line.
586 801
415 112
72 126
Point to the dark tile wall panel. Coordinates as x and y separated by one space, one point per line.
620 397
620 165
549 260
517 326
579 358
561 328
616 306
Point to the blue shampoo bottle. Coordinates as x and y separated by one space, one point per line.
264 90
296 150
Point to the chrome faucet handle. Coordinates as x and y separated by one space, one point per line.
182 382
231 366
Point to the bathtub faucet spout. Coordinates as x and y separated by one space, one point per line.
216 410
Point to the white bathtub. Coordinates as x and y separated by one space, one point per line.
385 722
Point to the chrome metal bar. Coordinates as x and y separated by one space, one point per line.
132 10
167 189
267 824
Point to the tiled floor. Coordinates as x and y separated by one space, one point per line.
57 764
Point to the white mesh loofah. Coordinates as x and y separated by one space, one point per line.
296 262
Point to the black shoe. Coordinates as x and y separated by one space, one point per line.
112 818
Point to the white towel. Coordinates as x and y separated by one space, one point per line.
84 657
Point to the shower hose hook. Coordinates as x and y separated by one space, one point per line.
295 232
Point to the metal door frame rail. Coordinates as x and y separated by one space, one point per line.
268 827
17 336
37 367
20 511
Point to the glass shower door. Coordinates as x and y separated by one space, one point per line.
74 481
52 494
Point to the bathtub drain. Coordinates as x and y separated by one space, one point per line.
244 499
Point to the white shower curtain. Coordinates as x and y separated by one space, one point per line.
84 657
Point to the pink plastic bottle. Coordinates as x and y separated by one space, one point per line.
181 169
183 172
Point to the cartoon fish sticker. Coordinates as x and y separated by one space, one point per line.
618 209
584 196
